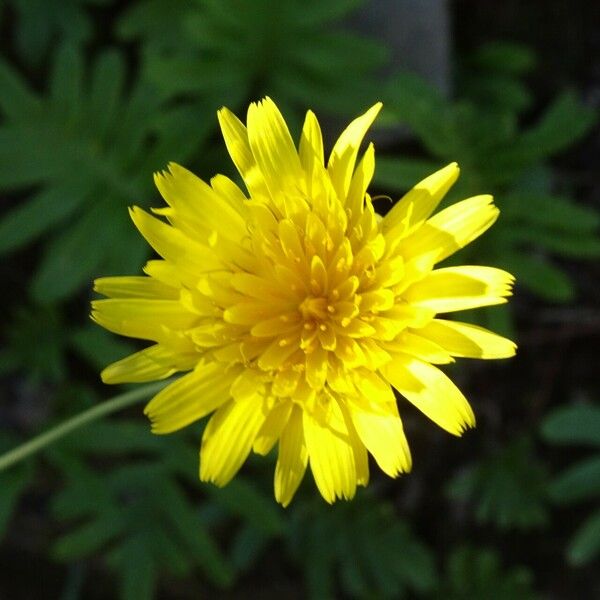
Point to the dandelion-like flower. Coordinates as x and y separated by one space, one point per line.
297 309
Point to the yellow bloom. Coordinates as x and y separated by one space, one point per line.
297 308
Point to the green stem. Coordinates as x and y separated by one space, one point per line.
96 412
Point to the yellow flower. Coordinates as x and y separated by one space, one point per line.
297 309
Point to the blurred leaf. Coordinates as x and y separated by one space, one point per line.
573 425
39 21
90 143
373 552
99 347
248 546
138 581
578 425
559 240
43 360
508 488
42 213
585 544
71 258
401 174
549 211
110 510
508 57
476 574
498 92
13 483
480 130
564 123
230 51
578 482
145 20
117 510
539 277
242 499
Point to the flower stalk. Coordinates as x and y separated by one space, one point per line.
16 455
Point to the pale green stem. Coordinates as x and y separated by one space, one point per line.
96 412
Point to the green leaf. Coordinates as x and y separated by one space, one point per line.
320 13
192 531
91 143
377 554
99 347
578 425
507 57
42 213
243 499
579 482
545 210
114 437
139 571
16 101
475 573
558 241
286 49
145 20
248 547
89 538
12 483
45 360
507 487
499 92
540 277
585 545
563 123
570 425
72 258
106 92
65 83
421 106
38 22
401 174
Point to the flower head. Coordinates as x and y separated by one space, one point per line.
297 309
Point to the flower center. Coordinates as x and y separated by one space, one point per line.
313 308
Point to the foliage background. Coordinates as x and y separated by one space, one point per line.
94 96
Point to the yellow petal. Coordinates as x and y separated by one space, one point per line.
255 286
331 455
135 287
271 430
165 272
230 193
236 140
273 148
311 145
415 344
452 228
190 398
432 392
460 288
292 459
360 183
422 200
344 153
381 431
470 341
155 362
190 257
316 367
140 317
361 456
228 439
197 207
